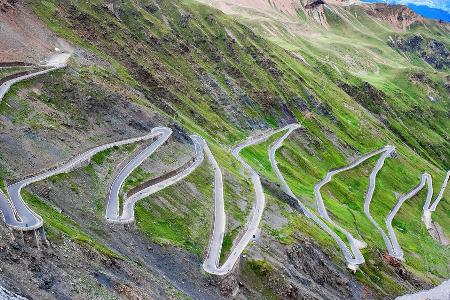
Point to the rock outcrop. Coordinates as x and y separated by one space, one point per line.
316 10
6 5
433 52
399 16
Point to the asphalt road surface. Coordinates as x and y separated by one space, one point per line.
440 292
353 258
112 213
355 244
16 212
58 61
388 151
428 208
211 263
113 206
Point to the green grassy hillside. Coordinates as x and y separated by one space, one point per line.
214 76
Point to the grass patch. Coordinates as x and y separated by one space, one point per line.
227 243
172 215
255 272
260 267
136 178
101 156
63 224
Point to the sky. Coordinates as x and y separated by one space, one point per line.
441 4
434 9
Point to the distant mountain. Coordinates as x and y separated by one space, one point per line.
431 13
439 4
429 9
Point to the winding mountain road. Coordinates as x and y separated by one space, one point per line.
391 242
431 208
212 260
57 61
355 244
113 206
387 151
272 152
353 257
18 215
428 208
16 212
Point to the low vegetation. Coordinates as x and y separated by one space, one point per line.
194 66
57 223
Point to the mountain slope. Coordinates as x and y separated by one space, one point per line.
141 64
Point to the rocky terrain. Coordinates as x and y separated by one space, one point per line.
356 77
433 52
401 17
24 36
